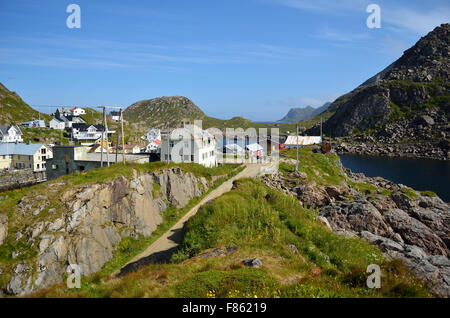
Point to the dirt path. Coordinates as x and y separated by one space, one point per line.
161 250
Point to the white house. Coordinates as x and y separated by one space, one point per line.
35 123
10 133
190 144
115 116
57 124
254 150
88 132
76 111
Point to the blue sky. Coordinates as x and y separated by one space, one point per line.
251 58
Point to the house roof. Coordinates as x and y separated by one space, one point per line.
4 129
303 140
84 127
254 147
19 149
234 147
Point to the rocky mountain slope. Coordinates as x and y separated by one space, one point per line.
298 114
14 110
42 232
408 101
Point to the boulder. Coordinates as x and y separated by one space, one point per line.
414 232
252 262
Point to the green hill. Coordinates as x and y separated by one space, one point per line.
14 110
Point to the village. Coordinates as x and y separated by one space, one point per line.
92 145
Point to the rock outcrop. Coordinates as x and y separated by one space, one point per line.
93 220
414 229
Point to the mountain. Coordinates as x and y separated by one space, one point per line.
14 110
407 101
158 112
298 114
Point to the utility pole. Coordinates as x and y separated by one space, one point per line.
103 135
320 128
296 164
117 139
168 143
107 141
123 135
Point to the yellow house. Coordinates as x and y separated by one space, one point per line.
24 156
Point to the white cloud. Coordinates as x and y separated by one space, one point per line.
418 22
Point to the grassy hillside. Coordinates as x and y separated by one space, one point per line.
14 110
259 222
300 256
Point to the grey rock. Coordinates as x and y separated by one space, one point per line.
252 262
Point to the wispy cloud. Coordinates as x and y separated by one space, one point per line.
76 52
401 17
328 33
419 22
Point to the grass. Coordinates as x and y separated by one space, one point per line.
320 168
409 192
260 222
428 194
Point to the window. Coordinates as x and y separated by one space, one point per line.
192 158
54 167
43 151
37 166
44 157
171 144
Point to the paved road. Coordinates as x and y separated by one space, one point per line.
162 249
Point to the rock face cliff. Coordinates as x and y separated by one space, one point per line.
414 86
93 220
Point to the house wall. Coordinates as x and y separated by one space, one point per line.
204 153
5 161
12 136
57 125
61 165
36 162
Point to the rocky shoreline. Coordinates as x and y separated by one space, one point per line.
427 150
400 221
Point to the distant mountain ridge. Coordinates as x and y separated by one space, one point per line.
298 114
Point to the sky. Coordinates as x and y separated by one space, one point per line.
250 58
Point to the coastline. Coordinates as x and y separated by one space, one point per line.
426 150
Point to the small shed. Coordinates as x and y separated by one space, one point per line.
254 150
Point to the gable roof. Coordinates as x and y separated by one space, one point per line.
19 149
84 127
4 129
